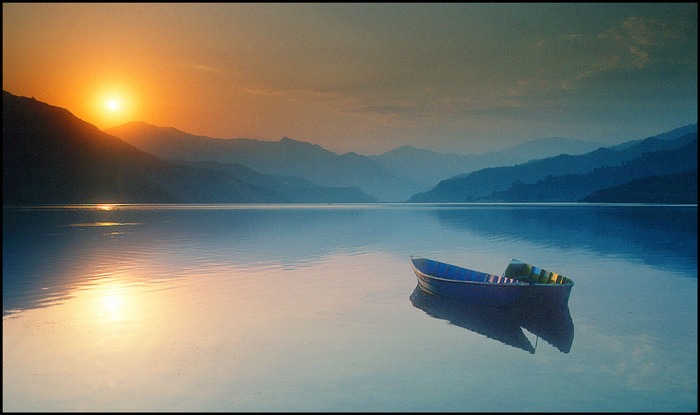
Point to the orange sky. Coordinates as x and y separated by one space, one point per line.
363 77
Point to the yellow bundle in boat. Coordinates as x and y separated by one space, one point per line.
521 271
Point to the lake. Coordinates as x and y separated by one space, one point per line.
315 308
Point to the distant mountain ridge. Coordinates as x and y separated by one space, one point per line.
51 156
286 157
427 168
568 178
393 176
671 188
575 187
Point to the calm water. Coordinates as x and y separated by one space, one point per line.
312 308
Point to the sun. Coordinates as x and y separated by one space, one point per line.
113 104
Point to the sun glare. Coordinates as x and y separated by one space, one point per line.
113 104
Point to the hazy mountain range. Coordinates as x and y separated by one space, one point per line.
50 156
392 176
574 178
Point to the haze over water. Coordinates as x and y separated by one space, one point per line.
312 308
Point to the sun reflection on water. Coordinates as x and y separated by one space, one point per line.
114 305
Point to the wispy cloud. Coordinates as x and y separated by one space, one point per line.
601 64
205 68
293 93
635 44
647 32
641 57
388 109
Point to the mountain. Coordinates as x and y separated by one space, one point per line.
294 189
670 135
670 188
485 184
427 168
389 177
576 187
51 156
286 157
548 147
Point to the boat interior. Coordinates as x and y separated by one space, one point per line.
453 272
525 272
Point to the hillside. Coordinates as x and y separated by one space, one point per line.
286 157
51 156
575 187
671 188
492 183
392 176
293 189
427 168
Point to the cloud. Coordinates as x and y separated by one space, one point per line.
205 68
388 109
645 31
601 64
201 68
641 59
635 44
294 93
264 92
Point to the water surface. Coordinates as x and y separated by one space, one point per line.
314 308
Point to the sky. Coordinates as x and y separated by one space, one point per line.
452 77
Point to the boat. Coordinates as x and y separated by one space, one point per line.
521 283
545 288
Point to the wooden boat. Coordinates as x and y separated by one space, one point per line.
521 282
545 288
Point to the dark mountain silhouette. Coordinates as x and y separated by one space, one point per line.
51 156
575 187
491 184
670 188
286 157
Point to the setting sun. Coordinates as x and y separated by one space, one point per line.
113 104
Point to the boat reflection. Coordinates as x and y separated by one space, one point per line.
553 325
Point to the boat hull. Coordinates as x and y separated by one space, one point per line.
475 292
478 288
545 295
479 294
